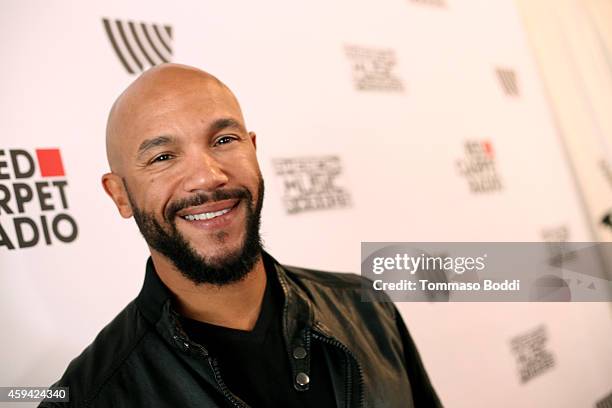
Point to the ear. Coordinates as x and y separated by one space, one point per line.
114 187
253 137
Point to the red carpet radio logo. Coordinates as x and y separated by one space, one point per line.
479 167
557 239
508 81
311 183
531 355
372 69
33 199
139 45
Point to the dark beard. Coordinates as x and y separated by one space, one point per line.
231 268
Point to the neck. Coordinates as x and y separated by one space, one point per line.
236 305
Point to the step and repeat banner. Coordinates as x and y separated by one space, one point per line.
403 120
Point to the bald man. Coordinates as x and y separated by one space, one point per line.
219 322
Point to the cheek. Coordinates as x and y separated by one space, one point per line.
244 168
154 195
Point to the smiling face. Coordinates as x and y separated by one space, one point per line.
185 167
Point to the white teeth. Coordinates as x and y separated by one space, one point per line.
207 215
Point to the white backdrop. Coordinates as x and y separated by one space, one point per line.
395 117
573 46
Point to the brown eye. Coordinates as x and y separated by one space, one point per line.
161 157
225 140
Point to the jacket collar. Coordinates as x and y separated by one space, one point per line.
298 315
154 300
153 295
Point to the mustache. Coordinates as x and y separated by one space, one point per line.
202 198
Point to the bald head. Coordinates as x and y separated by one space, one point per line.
179 151
156 89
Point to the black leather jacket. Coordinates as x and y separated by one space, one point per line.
144 359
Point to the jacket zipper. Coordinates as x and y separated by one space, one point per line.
216 372
213 365
332 341
226 392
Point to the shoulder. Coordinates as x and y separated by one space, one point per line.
88 374
325 278
347 307
341 286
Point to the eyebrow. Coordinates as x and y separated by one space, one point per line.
155 142
225 123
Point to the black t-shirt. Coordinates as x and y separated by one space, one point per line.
254 364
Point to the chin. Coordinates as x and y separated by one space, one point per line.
217 252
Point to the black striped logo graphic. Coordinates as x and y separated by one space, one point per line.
507 79
605 403
139 45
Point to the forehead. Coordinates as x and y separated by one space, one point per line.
177 98
176 105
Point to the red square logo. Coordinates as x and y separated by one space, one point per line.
488 147
50 162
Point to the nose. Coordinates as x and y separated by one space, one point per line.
203 173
